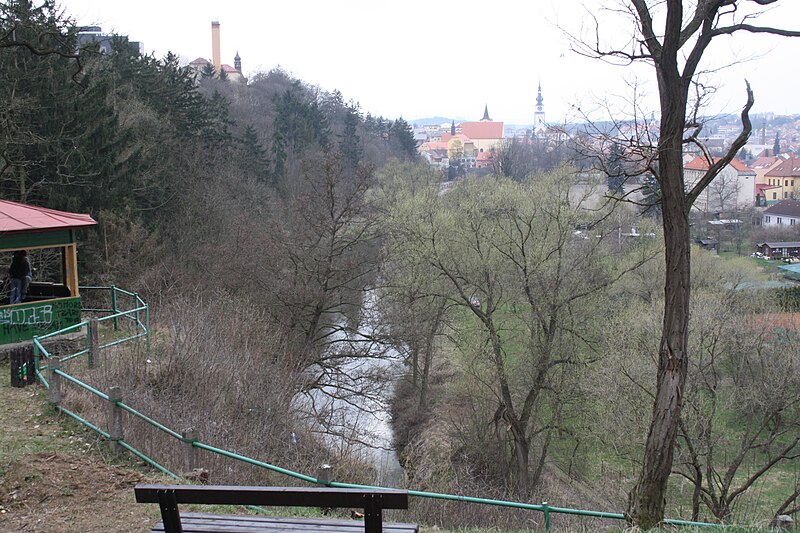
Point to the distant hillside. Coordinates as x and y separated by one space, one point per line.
431 121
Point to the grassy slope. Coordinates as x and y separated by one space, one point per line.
56 476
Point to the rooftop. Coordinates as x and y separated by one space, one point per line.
16 217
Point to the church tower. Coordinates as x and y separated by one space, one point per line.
539 125
237 62
486 114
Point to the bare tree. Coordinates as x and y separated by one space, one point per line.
673 38
743 364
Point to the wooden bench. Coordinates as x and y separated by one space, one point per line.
371 501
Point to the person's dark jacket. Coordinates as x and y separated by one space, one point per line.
20 267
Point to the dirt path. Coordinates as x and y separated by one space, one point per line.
56 476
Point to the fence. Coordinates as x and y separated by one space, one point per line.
138 317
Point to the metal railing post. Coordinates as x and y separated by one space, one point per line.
114 306
546 511
55 381
136 306
147 326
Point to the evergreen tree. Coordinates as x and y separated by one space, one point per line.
350 144
252 158
207 71
615 173
401 132
299 125
776 148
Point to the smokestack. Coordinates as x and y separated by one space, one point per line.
216 57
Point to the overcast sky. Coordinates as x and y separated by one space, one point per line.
421 58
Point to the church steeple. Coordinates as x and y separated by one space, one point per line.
539 126
237 62
486 114
453 129
540 100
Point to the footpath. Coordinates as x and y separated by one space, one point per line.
57 477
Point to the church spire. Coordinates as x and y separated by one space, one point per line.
486 114
237 62
539 126
453 129
540 100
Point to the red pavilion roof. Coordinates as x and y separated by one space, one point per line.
16 217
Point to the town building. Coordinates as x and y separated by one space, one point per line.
733 188
783 213
785 177
201 65
93 35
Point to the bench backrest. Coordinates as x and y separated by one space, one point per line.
372 501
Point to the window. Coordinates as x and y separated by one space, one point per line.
785 194
774 196
766 219
780 221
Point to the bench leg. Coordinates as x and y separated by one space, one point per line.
169 511
373 516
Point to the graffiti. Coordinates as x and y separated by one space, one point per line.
22 323
41 315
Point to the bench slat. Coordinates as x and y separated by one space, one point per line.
373 501
211 523
276 496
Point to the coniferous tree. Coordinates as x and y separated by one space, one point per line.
253 161
404 136
207 71
299 125
350 144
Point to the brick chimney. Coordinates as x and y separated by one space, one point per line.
216 57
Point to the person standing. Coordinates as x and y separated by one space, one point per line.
20 274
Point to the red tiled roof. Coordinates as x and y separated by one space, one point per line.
16 217
788 168
200 61
433 145
482 130
485 156
765 162
701 163
761 187
228 68
739 165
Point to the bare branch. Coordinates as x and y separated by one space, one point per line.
722 162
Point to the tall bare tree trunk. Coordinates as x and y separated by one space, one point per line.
648 498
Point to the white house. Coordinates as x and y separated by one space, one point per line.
784 213
733 188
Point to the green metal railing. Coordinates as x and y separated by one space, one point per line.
141 307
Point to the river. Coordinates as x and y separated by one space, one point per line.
350 408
